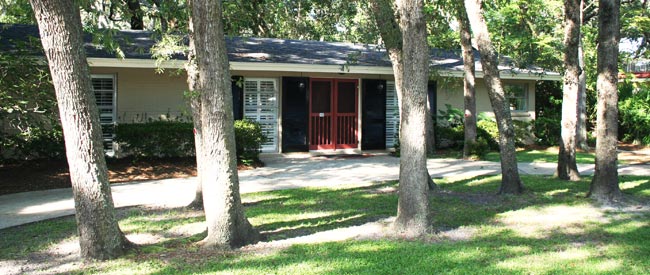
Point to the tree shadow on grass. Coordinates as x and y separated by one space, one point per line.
598 249
299 212
19 241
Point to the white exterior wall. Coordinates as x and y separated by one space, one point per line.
144 95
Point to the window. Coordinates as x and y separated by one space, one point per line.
392 115
260 104
104 89
517 96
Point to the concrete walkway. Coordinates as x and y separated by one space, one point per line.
281 172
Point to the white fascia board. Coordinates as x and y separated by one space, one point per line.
135 63
310 68
505 75
307 68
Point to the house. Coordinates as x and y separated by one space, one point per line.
307 95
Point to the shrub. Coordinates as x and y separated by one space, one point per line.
38 143
634 117
547 130
176 139
156 139
487 130
29 120
479 148
249 139
450 137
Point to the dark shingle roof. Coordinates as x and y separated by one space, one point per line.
138 45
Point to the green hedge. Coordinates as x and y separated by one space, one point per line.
35 144
156 139
176 139
548 130
634 116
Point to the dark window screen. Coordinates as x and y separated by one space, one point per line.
346 97
321 97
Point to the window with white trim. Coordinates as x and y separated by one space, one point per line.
517 96
104 90
261 105
392 115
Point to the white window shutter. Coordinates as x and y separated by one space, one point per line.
261 105
392 115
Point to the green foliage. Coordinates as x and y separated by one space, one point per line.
451 117
29 119
303 19
548 99
480 148
528 31
450 131
16 12
634 115
156 139
487 129
176 139
249 139
547 130
449 137
38 143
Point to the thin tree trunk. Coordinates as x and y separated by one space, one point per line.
224 212
604 186
567 169
510 181
195 105
406 40
430 128
60 27
137 22
581 129
469 90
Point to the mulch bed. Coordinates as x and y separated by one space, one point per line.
49 174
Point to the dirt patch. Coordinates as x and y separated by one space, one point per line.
49 174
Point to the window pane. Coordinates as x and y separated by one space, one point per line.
516 96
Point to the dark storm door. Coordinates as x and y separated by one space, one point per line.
373 114
333 114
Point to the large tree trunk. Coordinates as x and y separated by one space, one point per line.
226 221
604 186
469 81
195 105
406 40
413 202
567 169
510 181
60 27
581 129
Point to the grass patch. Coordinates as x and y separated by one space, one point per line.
550 229
549 155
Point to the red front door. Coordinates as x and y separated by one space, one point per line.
333 113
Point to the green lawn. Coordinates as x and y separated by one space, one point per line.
541 156
551 229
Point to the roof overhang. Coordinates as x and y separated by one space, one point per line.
308 68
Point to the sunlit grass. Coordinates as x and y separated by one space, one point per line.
550 229
549 155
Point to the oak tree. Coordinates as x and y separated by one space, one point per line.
226 221
61 34
510 180
604 185
567 169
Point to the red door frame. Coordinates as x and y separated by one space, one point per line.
330 143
